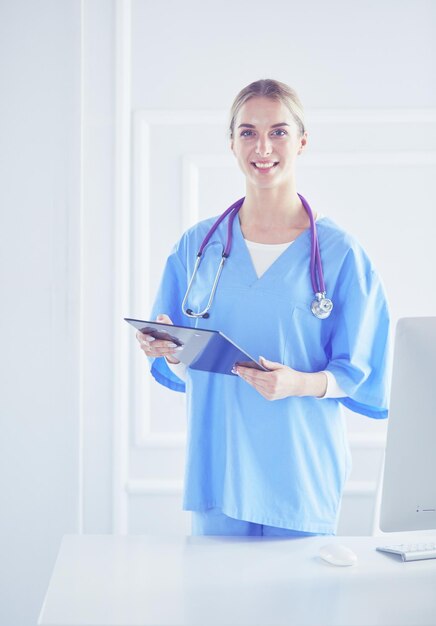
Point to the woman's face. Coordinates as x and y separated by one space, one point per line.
265 131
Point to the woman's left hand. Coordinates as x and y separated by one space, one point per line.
282 381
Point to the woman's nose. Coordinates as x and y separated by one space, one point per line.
263 146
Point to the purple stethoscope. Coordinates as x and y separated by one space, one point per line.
321 306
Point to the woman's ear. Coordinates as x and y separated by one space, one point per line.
303 142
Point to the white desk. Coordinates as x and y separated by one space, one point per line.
106 580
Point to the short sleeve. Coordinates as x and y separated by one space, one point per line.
360 344
168 300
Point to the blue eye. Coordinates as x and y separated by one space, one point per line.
279 130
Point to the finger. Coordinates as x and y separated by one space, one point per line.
164 343
259 384
249 373
264 388
148 340
264 392
142 337
271 365
162 350
164 318
264 382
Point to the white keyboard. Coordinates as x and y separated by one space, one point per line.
412 551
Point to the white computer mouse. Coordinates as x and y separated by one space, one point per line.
337 554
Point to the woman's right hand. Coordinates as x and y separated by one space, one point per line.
158 347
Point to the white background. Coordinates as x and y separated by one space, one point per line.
113 127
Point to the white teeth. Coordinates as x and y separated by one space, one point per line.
264 165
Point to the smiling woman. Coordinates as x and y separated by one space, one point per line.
266 450
265 145
267 133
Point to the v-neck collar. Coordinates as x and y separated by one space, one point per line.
242 255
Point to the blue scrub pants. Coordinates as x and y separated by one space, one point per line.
214 522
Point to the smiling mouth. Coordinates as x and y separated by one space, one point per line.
264 166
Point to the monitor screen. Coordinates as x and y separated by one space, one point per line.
408 496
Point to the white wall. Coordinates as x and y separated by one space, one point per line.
39 213
57 253
80 451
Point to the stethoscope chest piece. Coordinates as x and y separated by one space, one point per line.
321 307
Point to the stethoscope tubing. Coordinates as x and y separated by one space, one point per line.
232 210
315 256
320 303
234 207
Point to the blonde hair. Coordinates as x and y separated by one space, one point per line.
269 88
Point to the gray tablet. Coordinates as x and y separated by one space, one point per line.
207 350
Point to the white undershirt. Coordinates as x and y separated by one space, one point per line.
263 256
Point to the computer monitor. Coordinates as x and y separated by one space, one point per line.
408 495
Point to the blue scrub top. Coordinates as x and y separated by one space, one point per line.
281 463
